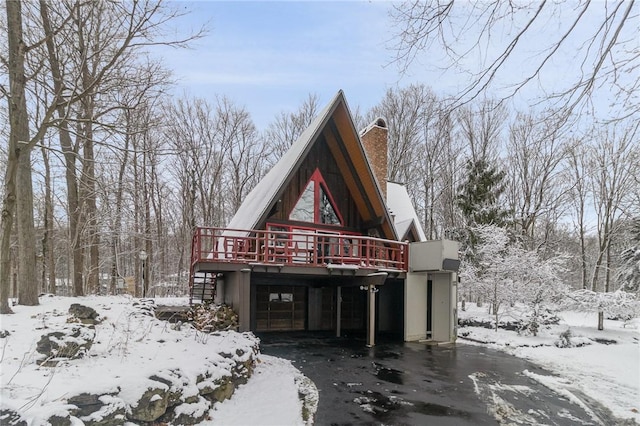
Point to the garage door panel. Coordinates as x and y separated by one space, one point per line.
280 307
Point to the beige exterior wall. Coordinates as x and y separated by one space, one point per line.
237 294
415 307
443 308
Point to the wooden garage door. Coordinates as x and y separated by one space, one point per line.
280 307
354 308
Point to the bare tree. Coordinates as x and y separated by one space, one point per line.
614 161
90 48
536 152
18 168
404 111
577 175
200 159
598 40
481 127
48 257
245 153
288 126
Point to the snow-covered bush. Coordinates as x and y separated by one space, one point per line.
565 339
534 319
618 304
505 272
629 273
568 340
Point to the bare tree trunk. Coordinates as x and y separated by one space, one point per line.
607 273
48 258
88 194
155 197
70 153
600 320
137 224
117 219
6 224
18 139
27 278
147 229
87 178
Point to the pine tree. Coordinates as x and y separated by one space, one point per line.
479 202
629 275
479 196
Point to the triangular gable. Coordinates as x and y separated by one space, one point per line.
405 218
336 125
315 204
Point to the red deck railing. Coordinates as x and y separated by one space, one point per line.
297 248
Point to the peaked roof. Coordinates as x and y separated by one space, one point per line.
336 123
403 212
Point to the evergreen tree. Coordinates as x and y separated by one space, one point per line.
479 196
629 275
479 202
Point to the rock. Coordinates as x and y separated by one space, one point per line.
86 403
190 413
174 383
69 343
225 389
58 420
112 413
85 314
152 404
308 394
4 333
11 418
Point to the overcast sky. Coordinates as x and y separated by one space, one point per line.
268 56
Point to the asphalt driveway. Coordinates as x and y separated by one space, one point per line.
396 383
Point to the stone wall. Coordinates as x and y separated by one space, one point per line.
169 396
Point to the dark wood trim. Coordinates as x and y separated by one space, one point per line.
356 177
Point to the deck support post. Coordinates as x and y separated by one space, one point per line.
338 310
371 282
244 289
371 309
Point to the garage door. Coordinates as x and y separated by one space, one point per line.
280 307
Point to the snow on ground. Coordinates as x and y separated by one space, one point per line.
603 365
127 348
271 393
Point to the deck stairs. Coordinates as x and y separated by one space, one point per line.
202 288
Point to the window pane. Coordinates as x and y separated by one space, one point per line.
327 213
303 210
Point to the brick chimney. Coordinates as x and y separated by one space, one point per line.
374 140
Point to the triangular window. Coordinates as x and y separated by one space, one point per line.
304 208
316 204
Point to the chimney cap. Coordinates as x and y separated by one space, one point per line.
378 122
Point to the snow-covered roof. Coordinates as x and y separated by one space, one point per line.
263 194
402 210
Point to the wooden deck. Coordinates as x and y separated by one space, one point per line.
297 249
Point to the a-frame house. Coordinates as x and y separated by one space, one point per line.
324 242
